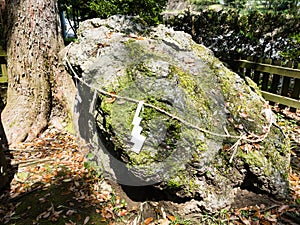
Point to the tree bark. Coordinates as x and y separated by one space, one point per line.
37 82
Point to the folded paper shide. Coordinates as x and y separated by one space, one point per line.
136 138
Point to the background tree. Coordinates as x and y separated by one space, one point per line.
275 6
39 90
79 10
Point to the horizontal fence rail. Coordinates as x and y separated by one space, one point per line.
267 68
3 71
279 81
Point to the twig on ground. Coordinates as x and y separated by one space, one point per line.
26 163
16 198
235 148
34 149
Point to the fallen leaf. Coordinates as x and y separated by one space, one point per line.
70 223
172 218
257 214
42 200
247 147
86 220
122 212
67 180
262 206
264 222
103 220
70 212
148 220
46 215
164 221
245 221
107 213
54 219
111 99
76 184
272 218
283 208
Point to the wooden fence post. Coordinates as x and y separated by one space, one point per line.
265 77
285 85
275 78
3 76
296 90
256 74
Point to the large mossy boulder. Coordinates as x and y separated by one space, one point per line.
208 131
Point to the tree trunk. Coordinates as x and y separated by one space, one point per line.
36 80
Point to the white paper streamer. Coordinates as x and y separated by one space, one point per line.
137 139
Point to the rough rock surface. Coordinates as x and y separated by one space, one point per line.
191 102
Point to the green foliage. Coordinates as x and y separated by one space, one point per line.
220 218
204 2
273 6
149 10
104 9
293 53
94 170
232 34
78 10
181 221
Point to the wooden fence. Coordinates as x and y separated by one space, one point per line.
3 71
279 82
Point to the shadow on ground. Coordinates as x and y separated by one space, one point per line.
69 199
6 169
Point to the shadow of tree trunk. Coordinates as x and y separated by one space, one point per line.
6 169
